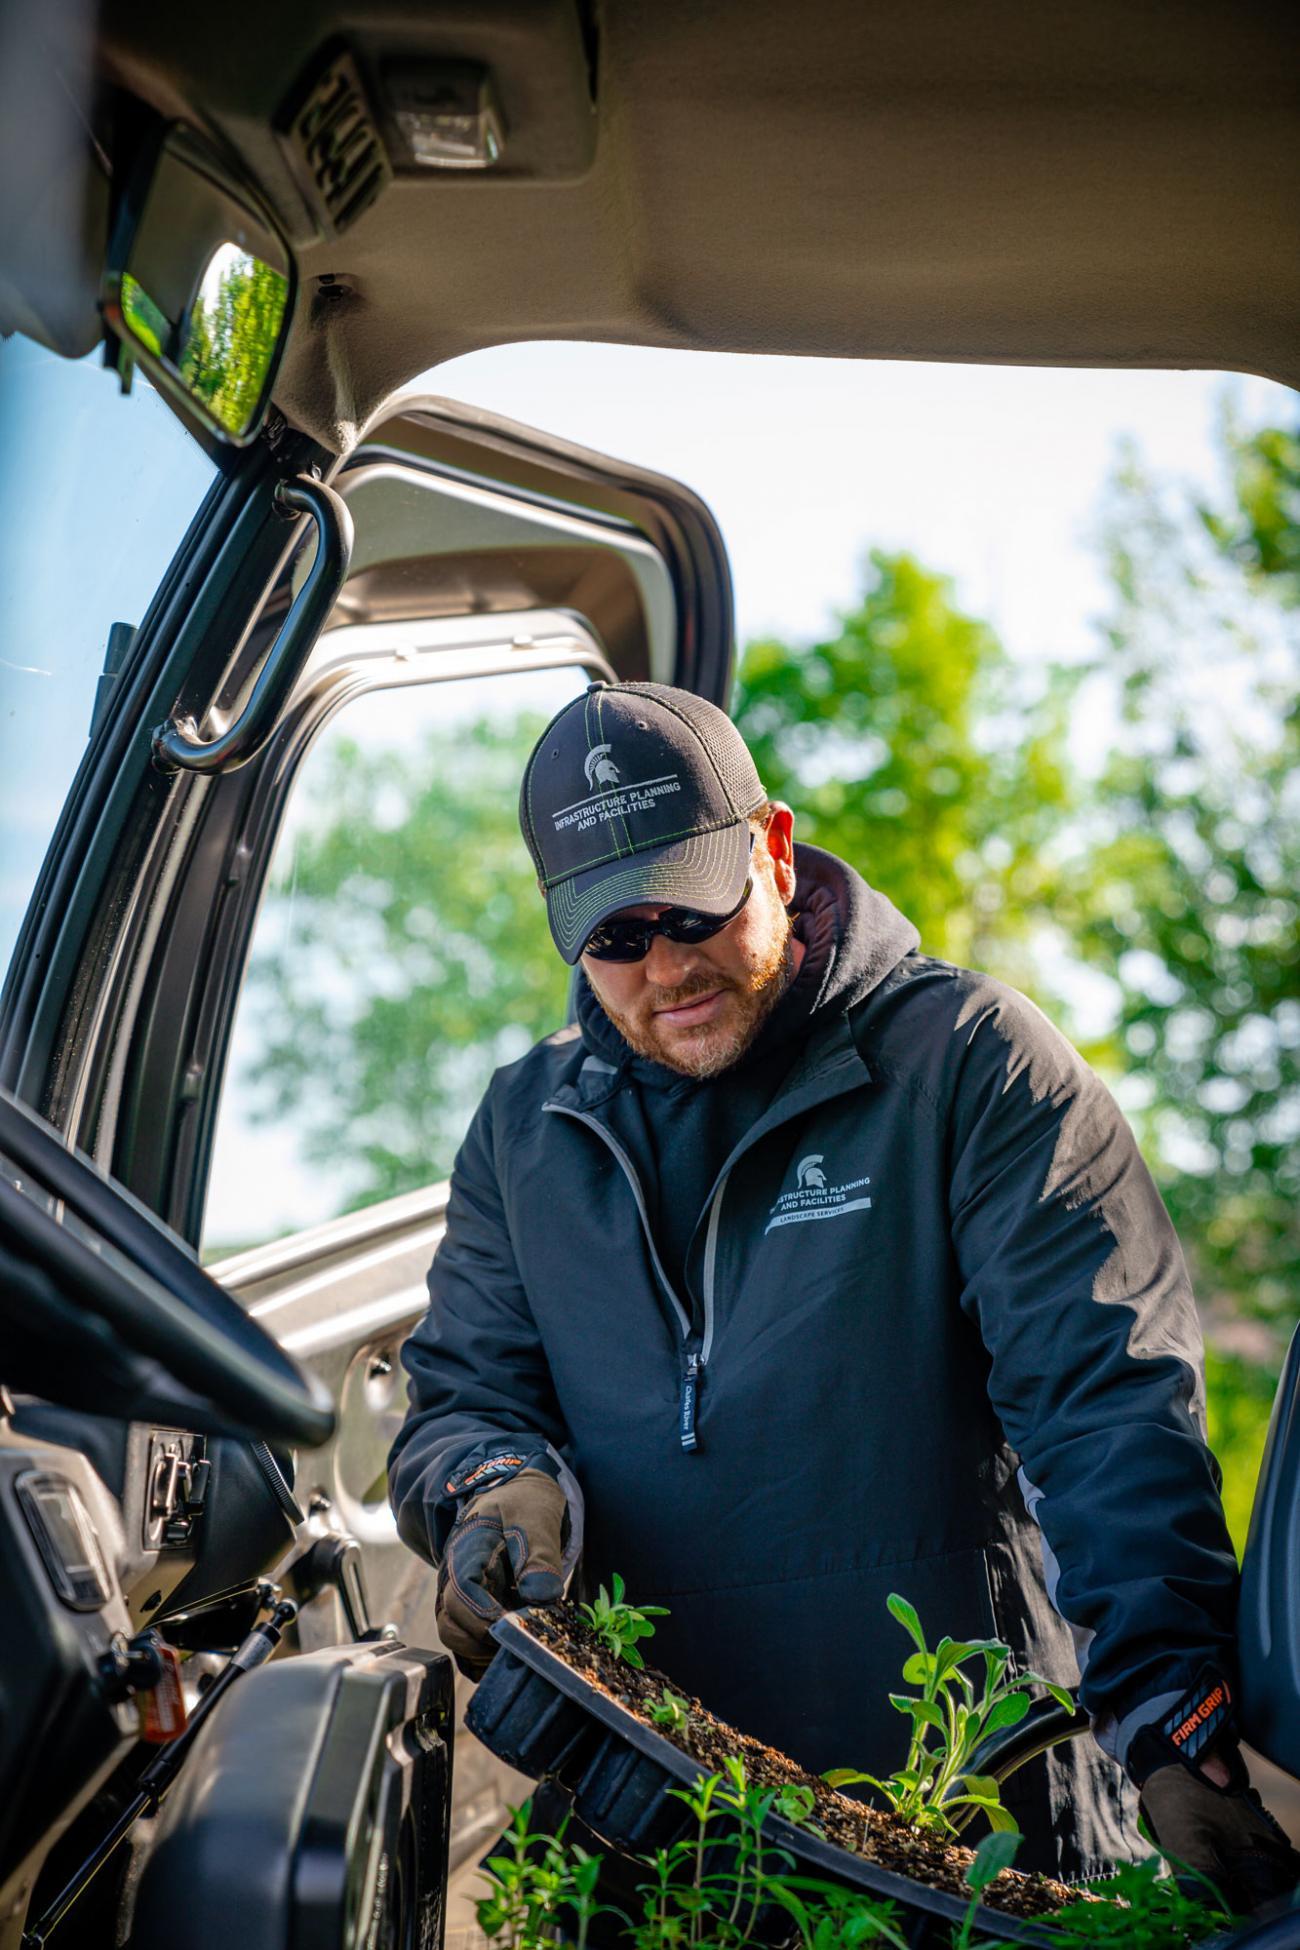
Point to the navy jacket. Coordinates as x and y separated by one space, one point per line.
933 1307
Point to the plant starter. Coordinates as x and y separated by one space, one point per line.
884 1838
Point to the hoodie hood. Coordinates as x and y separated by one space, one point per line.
853 937
853 934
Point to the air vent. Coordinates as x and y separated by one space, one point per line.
335 148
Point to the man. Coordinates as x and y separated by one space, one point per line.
805 1268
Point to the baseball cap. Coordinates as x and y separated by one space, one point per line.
637 793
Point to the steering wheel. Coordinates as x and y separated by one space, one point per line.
125 1298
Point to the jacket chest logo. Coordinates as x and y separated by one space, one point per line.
813 1196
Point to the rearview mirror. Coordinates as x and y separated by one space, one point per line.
199 288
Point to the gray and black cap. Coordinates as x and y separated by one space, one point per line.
637 793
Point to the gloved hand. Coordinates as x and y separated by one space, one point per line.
1198 1805
504 1549
1223 1833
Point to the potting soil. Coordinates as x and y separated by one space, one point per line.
884 1838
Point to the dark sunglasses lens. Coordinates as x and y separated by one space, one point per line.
630 940
619 941
685 924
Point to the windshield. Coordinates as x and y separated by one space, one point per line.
97 490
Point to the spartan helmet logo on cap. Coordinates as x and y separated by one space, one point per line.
600 768
810 1173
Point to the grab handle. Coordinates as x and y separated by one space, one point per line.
177 746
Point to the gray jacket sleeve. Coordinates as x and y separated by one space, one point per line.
479 1382
1073 1273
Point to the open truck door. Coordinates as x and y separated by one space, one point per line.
422 611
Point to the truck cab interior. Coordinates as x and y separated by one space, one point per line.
276 219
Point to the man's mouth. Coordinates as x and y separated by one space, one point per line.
696 1009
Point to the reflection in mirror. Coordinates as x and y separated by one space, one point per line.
224 345
201 294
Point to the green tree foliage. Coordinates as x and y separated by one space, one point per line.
908 744
1182 887
1239 1394
233 329
1183 881
406 953
1260 531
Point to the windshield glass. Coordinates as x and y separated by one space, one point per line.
97 490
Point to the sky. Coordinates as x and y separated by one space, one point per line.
96 493
995 474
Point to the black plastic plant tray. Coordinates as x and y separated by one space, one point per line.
540 1716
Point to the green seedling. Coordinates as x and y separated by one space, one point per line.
713 1888
617 1625
543 1889
950 1716
1142 1909
795 1803
994 1854
704 1892
670 1710
709 1890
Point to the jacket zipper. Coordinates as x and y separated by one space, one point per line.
711 1261
695 1347
693 1373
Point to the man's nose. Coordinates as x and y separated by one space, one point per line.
668 963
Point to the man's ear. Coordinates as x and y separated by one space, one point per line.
778 838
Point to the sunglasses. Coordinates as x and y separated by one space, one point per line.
629 940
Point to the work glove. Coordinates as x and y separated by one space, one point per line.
1222 1833
504 1549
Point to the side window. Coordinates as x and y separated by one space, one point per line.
401 954
77 558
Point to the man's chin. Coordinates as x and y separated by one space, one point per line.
702 1049
696 1052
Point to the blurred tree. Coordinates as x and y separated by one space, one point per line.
1239 1395
232 329
910 745
403 953
1182 882
1260 530
1182 887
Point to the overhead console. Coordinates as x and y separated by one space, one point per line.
507 92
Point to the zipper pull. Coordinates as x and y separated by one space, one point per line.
692 1376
